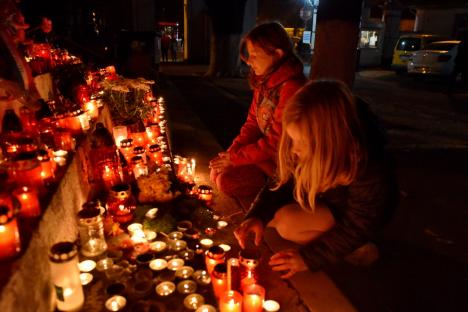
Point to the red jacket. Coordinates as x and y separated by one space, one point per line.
258 140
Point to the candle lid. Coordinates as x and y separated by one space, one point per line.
215 252
138 150
137 160
154 148
6 215
63 251
88 213
220 270
126 143
204 189
42 155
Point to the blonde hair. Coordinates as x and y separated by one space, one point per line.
326 115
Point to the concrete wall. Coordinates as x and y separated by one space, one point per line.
438 21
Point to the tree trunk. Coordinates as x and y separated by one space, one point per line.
337 35
227 20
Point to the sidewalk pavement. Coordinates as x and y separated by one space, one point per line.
190 138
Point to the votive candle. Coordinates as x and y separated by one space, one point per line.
29 200
10 243
253 298
230 301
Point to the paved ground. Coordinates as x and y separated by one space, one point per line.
424 256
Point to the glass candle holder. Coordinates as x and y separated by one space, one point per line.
249 260
87 266
152 133
165 289
64 140
230 301
206 243
214 255
28 118
108 173
91 109
233 274
253 298
26 171
91 229
121 203
187 287
47 166
187 255
10 244
65 276
139 167
139 138
28 198
194 301
126 147
205 193
219 279
119 133
104 264
175 235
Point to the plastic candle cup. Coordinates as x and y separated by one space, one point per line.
184 272
175 264
206 243
134 227
194 301
158 246
202 277
158 264
87 265
164 289
221 224
206 308
116 303
230 301
253 298
86 278
175 235
271 306
177 245
187 287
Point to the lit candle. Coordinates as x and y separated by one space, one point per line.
175 235
205 193
175 264
219 279
158 246
150 235
87 266
120 133
109 177
202 277
116 303
187 287
253 298
165 288
86 278
222 224
10 243
230 301
206 308
271 306
61 161
91 109
104 264
206 243
152 132
29 200
194 301
139 138
184 272
177 244
158 264
225 247
132 228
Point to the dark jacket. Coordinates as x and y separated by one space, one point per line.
359 209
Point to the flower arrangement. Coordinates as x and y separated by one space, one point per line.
127 98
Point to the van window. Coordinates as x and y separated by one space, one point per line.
409 44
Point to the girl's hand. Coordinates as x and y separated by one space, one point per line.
288 261
253 225
221 162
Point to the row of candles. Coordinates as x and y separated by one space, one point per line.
178 251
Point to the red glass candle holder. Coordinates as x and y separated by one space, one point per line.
10 244
214 255
29 201
121 204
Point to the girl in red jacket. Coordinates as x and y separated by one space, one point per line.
276 73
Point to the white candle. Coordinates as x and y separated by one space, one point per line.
184 272
151 214
206 308
206 243
222 224
86 278
165 288
175 264
193 301
271 306
134 227
225 247
158 246
116 303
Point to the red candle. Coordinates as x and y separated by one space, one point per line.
29 200
110 176
231 301
139 138
253 298
219 280
10 243
214 256
91 109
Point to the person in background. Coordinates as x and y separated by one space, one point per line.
44 32
335 185
173 47
165 43
157 53
276 73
